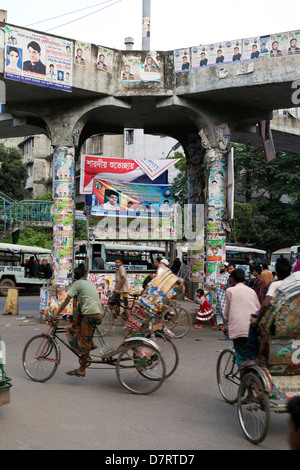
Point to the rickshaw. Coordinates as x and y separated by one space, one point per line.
266 386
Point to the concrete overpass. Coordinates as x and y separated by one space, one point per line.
203 108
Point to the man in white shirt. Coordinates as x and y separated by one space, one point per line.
112 202
283 270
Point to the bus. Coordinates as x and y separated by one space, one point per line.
243 256
282 253
14 270
102 256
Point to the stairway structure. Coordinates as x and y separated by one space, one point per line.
16 216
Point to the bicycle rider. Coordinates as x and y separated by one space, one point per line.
80 337
121 286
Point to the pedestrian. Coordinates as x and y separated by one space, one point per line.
241 302
259 285
230 268
205 312
283 270
266 274
220 290
121 286
293 408
80 336
297 266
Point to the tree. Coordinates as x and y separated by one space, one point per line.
13 173
273 192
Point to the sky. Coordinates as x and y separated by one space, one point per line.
175 24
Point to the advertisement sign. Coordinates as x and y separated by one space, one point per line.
131 199
119 169
35 58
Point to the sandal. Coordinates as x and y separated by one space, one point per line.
75 372
198 326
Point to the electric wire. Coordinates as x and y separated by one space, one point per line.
89 14
66 14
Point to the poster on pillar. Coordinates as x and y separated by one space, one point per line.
38 59
63 215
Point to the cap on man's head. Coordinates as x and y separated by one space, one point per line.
164 261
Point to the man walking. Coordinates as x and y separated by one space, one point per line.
121 286
241 303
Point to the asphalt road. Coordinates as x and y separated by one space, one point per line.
187 413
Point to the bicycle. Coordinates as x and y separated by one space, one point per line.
113 311
177 319
140 367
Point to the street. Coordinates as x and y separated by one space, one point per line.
95 413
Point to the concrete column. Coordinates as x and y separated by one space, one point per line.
63 214
216 169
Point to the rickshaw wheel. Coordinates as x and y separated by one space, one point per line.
253 408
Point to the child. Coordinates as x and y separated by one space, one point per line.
205 311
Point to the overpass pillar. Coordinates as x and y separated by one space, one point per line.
215 162
63 214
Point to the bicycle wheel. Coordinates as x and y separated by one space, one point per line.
178 320
169 352
107 321
228 376
253 408
40 358
140 368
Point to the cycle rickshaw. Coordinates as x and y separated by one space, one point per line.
139 363
261 389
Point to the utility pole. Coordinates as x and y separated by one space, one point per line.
146 25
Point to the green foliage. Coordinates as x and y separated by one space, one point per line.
34 237
180 183
13 173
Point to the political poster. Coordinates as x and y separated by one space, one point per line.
131 71
119 169
202 56
131 199
279 45
294 42
182 60
105 59
35 58
82 53
150 69
251 48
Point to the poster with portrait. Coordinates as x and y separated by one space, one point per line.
279 45
201 56
233 51
131 199
82 53
265 46
294 42
105 59
182 60
146 29
38 59
131 71
150 69
251 48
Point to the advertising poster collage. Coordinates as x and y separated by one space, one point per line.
235 51
49 61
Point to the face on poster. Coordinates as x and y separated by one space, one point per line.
201 56
150 69
82 53
36 58
131 199
105 59
279 45
131 71
182 60
294 43
251 48
146 27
